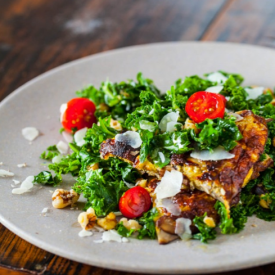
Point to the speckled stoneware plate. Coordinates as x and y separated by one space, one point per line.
37 104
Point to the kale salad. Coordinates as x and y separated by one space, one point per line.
190 163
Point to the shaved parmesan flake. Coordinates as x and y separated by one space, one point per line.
147 125
171 207
19 191
84 233
237 116
111 235
170 117
44 210
183 228
62 147
131 138
171 126
124 240
21 165
57 159
4 173
217 77
16 181
162 157
218 154
68 137
1 163
30 133
79 136
253 93
63 108
28 182
26 185
129 185
169 185
214 89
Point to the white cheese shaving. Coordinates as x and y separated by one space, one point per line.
63 108
171 207
124 240
237 116
62 147
28 182
26 185
4 173
79 136
214 89
30 133
44 210
169 185
170 117
16 181
111 235
21 165
57 159
84 233
147 125
253 93
162 157
217 77
1 163
171 126
129 185
183 228
68 137
218 153
131 138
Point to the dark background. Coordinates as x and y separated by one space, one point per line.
38 35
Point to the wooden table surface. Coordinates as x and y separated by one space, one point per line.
38 35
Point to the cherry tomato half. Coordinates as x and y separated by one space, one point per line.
79 114
203 105
224 99
134 202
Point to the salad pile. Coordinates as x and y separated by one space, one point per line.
136 112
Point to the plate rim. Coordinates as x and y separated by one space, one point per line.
120 267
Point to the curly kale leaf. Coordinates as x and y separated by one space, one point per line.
46 178
235 223
119 99
217 132
205 232
50 153
147 221
123 231
103 187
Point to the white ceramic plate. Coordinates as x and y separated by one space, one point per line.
37 104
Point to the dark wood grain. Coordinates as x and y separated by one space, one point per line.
244 21
37 35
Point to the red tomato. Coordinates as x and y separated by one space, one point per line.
134 202
224 99
203 105
79 114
